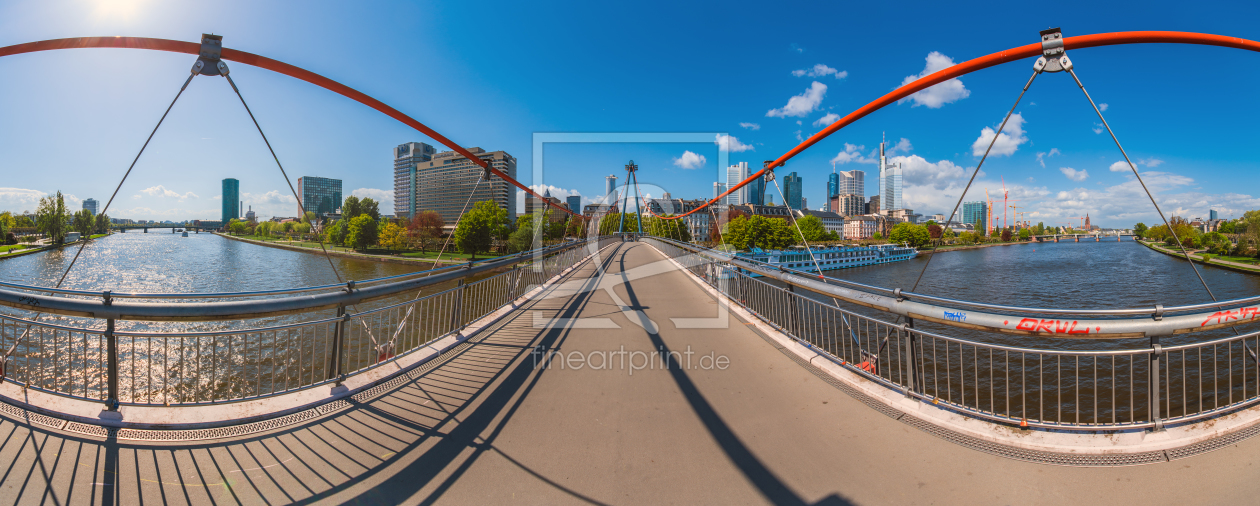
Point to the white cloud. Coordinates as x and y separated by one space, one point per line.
902 146
1102 107
1120 166
797 48
1073 174
830 118
750 126
1007 143
798 136
1041 157
162 191
689 160
803 104
853 153
730 144
944 93
1150 162
1098 128
821 70
19 200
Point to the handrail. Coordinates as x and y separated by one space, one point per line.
1156 321
232 310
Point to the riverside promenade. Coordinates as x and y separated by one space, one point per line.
491 423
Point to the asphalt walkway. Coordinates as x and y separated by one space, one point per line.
503 422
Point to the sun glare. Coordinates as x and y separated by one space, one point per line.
117 10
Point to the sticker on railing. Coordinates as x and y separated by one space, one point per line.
956 316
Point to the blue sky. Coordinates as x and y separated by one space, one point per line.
492 74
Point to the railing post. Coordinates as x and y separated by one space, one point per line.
793 325
339 332
912 352
457 322
111 367
1156 351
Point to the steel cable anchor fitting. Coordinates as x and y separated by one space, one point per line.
1053 57
208 59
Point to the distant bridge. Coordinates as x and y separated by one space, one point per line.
1078 237
174 228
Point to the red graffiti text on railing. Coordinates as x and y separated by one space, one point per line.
1050 326
1246 313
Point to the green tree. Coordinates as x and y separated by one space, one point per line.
909 233
236 227
1139 230
671 229
1226 228
878 236
336 233
51 218
480 226
7 220
362 232
1025 234
812 229
102 223
351 208
527 231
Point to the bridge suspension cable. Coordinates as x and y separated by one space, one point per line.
109 202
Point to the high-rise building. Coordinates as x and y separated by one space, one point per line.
851 182
833 184
320 195
792 190
975 212
757 190
1212 214
736 174
804 203
718 188
889 182
250 216
575 203
406 156
231 200
610 189
449 179
872 206
91 205
534 205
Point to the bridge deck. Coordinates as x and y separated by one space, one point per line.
487 426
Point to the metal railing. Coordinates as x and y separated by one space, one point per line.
179 368
1074 389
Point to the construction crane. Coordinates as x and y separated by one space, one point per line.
1005 203
1016 214
1082 218
988 208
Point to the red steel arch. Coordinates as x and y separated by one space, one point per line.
967 67
192 48
983 62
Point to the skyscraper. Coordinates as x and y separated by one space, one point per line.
320 195
833 184
91 205
231 200
575 203
1212 214
736 174
975 212
851 182
610 189
889 182
757 189
406 156
449 179
792 190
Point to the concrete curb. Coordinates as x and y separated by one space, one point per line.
65 410
1040 440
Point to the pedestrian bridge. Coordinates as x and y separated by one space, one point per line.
613 372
